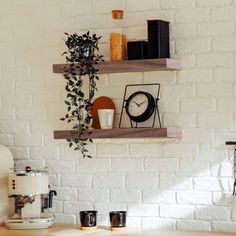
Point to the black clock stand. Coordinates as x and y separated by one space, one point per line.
155 95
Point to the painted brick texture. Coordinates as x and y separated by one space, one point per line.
185 185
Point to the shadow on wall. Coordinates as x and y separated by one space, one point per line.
174 192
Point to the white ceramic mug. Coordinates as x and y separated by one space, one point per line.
106 118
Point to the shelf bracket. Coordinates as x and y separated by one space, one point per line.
234 144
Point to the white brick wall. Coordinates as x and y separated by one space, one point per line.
177 211
212 213
143 210
215 28
194 197
195 225
158 223
184 185
133 196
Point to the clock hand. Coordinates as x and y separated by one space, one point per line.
141 103
137 104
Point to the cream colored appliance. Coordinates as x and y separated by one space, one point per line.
6 165
32 199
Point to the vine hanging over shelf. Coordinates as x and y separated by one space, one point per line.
81 58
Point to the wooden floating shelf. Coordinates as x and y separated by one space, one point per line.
164 64
121 133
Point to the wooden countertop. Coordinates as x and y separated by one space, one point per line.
73 230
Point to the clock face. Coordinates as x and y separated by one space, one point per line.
140 106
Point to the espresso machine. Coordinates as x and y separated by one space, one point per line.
32 198
7 164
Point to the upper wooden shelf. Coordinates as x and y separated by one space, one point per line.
121 133
165 64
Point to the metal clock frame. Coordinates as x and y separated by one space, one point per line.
156 110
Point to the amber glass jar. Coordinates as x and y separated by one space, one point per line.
117 37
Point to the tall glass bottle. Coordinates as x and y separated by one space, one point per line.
117 37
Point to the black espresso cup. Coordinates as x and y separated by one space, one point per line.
117 219
88 218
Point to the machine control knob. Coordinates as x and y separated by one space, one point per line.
13 184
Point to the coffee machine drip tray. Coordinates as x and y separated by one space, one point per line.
31 223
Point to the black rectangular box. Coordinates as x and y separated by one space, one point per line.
137 50
158 39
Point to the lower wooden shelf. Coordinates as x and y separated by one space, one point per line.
172 132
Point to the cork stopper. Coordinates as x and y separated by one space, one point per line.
117 14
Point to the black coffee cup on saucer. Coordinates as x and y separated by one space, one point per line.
88 220
117 220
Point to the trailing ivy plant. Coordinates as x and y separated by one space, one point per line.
81 58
